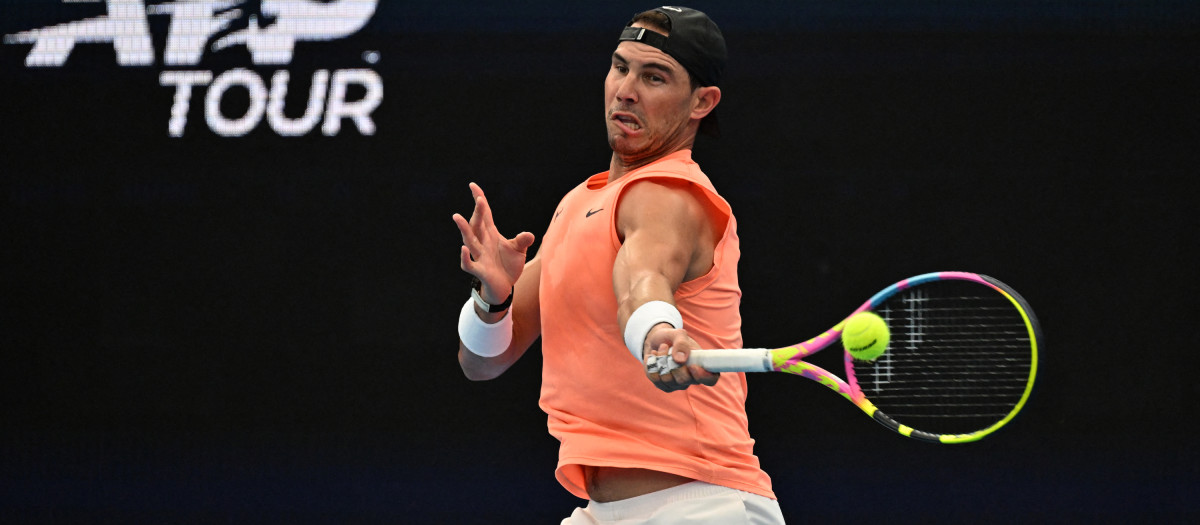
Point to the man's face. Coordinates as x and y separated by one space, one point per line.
648 102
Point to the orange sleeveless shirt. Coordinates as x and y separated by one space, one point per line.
599 403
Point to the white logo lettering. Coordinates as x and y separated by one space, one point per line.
270 31
125 26
271 103
193 24
359 111
258 103
312 113
184 80
273 44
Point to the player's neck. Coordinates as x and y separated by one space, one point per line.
620 166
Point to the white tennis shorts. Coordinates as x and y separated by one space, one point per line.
690 503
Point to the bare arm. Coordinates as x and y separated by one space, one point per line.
500 264
668 237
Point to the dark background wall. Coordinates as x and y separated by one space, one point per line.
261 329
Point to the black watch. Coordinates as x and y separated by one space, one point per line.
476 287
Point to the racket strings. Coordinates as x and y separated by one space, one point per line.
959 359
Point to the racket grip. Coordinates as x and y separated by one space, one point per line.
740 360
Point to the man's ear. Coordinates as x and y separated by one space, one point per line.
706 99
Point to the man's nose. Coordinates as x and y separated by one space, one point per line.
627 89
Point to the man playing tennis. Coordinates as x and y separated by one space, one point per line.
641 258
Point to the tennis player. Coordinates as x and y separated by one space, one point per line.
640 259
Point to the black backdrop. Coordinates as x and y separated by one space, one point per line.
261 328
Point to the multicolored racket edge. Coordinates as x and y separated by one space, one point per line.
790 359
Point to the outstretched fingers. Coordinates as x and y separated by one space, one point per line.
471 244
483 210
479 231
489 256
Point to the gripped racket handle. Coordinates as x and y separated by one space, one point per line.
741 360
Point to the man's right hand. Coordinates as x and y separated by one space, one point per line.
497 262
663 340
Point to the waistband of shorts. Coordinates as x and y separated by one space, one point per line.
648 503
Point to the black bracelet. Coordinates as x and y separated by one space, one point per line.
476 287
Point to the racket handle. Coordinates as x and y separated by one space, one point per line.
740 360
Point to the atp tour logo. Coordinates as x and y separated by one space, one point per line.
270 31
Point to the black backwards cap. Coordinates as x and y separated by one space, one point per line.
695 42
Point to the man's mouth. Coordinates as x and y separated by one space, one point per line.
629 121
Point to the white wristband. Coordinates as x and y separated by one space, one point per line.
482 339
643 319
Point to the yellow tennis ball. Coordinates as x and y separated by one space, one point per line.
866 336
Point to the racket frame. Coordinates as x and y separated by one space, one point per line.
790 359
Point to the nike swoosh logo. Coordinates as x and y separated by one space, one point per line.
592 212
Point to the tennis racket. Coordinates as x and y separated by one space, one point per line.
961 362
